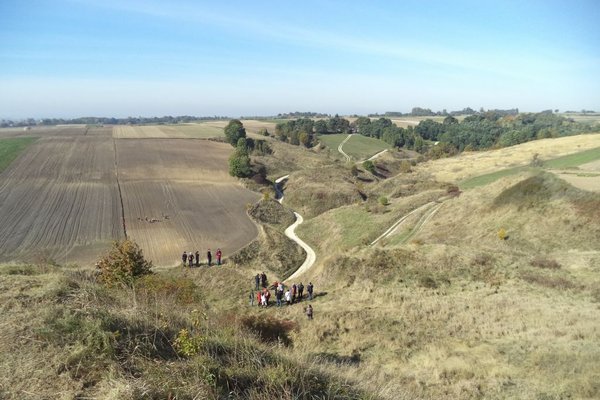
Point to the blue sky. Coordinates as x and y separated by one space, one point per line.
128 58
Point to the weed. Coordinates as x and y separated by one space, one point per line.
543 262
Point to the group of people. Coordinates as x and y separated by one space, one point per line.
290 295
192 258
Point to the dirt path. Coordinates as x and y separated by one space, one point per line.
377 155
311 257
428 210
341 150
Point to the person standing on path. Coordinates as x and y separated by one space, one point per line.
251 299
309 312
294 292
209 257
219 254
288 298
257 281
309 289
191 259
278 296
300 291
197 258
184 257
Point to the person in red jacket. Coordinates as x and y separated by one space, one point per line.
219 254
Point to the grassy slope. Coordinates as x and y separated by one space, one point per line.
359 147
11 148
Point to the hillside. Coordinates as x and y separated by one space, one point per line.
485 291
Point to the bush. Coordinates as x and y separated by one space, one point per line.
405 166
187 344
383 201
369 166
502 235
123 264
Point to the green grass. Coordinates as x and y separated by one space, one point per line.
358 147
570 161
485 179
361 147
574 160
11 148
333 141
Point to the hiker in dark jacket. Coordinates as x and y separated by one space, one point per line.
300 291
191 259
263 280
209 257
197 258
309 312
257 281
309 289
184 258
294 293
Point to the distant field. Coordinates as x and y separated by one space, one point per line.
61 197
201 130
362 147
574 160
11 148
473 164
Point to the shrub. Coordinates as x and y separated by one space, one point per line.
502 235
123 264
428 282
369 166
383 201
354 170
182 290
187 344
405 166
542 262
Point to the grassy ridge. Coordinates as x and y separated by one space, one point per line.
11 148
574 160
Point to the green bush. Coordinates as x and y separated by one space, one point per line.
124 263
369 166
383 201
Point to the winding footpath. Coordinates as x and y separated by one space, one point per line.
341 150
311 257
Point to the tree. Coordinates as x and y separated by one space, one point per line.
320 127
234 131
239 161
304 138
123 264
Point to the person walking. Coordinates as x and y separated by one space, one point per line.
294 293
197 258
309 312
278 297
219 254
251 298
300 291
257 281
288 297
258 298
309 289
191 259
209 257
184 257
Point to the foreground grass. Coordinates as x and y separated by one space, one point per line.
63 335
10 148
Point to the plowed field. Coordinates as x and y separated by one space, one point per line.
60 198
178 196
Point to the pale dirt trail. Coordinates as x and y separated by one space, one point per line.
429 211
311 257
341 150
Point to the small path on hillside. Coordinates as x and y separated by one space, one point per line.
311 257
376 155
341 150
429 210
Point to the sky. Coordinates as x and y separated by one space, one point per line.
119 58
